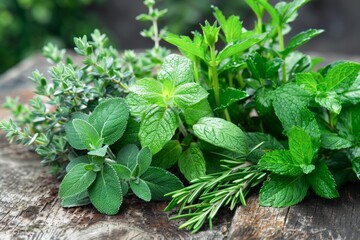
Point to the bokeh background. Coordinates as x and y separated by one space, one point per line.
26 25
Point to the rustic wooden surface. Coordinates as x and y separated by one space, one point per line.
30 208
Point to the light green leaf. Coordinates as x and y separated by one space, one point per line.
168 156
75 161
141 189
300 39
105 193
330 101
300 146
78 200
283 191
322 181
122 171
186 45
149 89
127 156
161 182
178 69
110 118
237 47
188 94
221 133
137 105
76 181
307 81
157 128
87 134
192 163
341 76
195 112
143 159
281 162
100 152
71 134
232 27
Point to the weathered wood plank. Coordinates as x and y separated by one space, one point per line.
30 209
314 218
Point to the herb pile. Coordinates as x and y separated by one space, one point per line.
239 110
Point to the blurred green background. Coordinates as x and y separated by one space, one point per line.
26 25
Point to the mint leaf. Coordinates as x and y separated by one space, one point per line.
110 118
157 128
238 47
122 171
300 39
87 134
307 81
228 96
127 156
300 146
188 94
76 161
232 27
130 135
168 156
283 191
141 189
281 162
192 163
221 133
186 45
349 123
341 76
78 200
334 142
355 163
105 193
72 135
197 111
161 182
143 160
76 181
322 181
176 68
330 101
137 104
149 89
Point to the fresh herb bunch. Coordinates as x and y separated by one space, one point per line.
224 120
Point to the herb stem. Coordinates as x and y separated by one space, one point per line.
215 79
182 128
196 70
110 153
281 48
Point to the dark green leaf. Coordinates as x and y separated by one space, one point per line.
300 146
307 81
76 181
122 171
157 128
283 191
341 76
229 96
71 134
168 156
143 159
75 161
221 133
330 101
141 189
137 105
356 166
349 123
161 182
105 193
322 181
192 163
334 142
197 111
78 200
127 156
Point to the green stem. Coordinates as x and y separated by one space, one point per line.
214 75
281 48
196 71
259 24
182 128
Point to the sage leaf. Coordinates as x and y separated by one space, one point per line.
105 193
72 135
122 171
127 156
87 134
221 133
143 159
77 200
76 181
75 161
141 189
